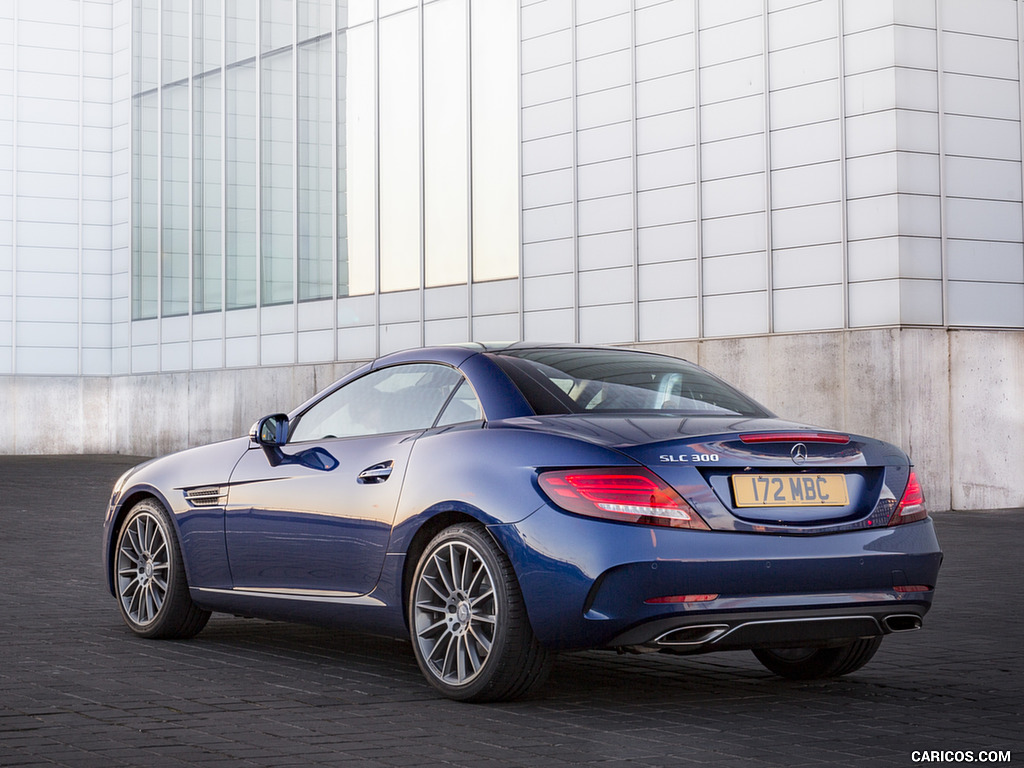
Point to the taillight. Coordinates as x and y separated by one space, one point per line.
911 507
795 437
625 495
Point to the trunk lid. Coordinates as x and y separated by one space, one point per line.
756 475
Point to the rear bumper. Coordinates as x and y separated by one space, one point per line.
591 585
715 631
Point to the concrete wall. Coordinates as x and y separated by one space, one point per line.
149 415
954 400
951 399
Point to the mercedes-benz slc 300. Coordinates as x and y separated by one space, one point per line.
499 504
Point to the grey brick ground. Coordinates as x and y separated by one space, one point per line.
77 689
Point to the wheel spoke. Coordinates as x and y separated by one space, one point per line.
135 603
151 603
440 567
429 581
146 533
483 642
159 549
426 631
480 598
455 567
444 636
133 539
450 652
430 605
470 566
471 654
461 657
129 589
480 571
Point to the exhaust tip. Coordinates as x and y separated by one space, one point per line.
902 622
689 636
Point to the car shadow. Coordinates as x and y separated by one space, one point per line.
334 661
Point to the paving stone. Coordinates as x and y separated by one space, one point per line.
78 689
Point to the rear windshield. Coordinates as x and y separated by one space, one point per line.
565 380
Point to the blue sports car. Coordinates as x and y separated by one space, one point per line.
500 503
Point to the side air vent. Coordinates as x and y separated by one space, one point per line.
207 496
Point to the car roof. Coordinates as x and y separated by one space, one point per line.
460 351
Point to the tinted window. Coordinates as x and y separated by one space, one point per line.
463 407
592 380
402 398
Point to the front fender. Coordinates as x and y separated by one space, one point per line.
200 530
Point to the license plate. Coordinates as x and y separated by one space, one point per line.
790 490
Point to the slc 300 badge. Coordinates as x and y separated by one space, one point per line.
688 458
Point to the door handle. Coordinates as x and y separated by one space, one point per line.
378 473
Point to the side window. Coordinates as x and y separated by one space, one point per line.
402 398
462 407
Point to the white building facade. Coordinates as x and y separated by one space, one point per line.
211 208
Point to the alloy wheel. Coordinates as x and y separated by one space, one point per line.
456 613
143 567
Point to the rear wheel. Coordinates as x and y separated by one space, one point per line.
817 663
470 632
151 587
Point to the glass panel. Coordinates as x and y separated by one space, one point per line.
174 239
241 29
344 289
579 380
388 7
145 66
397 399
356 272
242 162
276 20
446 138
145 136
316 17
145 216
175 40
495 115
206 193
399 152
316 145
359 11
206 30
463 407
276 156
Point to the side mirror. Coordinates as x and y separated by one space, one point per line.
270 431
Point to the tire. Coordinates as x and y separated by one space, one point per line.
818 663
149 576
468 622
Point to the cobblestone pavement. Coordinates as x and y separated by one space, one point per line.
77 689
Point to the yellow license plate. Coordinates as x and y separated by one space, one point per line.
790 490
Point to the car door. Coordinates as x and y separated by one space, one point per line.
315 515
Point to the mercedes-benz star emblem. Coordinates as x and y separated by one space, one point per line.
799 453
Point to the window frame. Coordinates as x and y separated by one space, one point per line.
462 380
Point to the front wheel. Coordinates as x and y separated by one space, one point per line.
150 576
470 632
817 663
